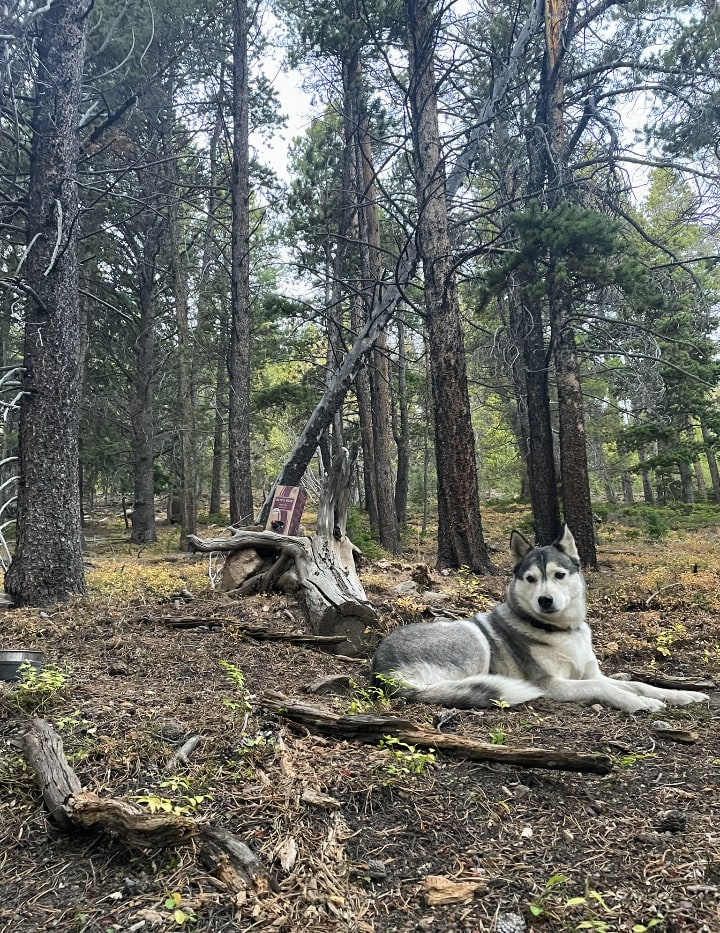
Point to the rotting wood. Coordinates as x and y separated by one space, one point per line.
319 571
72 808
371 728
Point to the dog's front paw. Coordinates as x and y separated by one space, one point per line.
645 705
685 697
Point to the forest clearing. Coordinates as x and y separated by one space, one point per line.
374 837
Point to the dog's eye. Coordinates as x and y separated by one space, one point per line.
560 575
530 578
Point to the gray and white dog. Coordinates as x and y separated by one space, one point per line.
537 643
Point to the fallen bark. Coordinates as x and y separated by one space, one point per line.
372 728
72 808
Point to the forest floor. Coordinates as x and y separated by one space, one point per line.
361 837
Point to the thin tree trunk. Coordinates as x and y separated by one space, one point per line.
627 488
573 444
47 566
460 535
711 459
388 529
240 466
186 402
401 429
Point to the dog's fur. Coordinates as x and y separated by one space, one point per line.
537 643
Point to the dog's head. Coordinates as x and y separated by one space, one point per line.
547 583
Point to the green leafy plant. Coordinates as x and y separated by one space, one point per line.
37 691
366 698
180 914
241 702
405 760
497 735
650 925
665 640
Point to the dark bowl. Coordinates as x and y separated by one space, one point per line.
10 662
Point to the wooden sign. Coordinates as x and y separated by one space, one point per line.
286 510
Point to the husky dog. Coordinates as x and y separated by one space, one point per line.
535 644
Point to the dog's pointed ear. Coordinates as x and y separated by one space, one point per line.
566 544
519 546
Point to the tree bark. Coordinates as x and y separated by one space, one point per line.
240 467
47 566
186 402
711 458
401 429
573 443
460 535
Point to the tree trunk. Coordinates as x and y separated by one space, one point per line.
460 535
542 478
573 445
401 429
388 529
47 566
627 489
186 403
711 458
218 435
648 494
240 467
142 404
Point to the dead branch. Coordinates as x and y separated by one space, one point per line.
258 632
72 808
667 682
372 728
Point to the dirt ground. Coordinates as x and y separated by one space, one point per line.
359 837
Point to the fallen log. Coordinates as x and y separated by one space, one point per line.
72 808
372 728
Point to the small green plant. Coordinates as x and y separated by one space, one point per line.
468 585
372 698
240 703
180 915
497 735
650 925
37 691
665 640
405 760
630 759
657 524
186 803
551 903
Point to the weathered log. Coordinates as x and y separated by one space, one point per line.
58 781
372 728
71 807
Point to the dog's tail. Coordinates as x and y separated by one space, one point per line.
477 692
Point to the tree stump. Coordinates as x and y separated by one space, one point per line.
319 571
